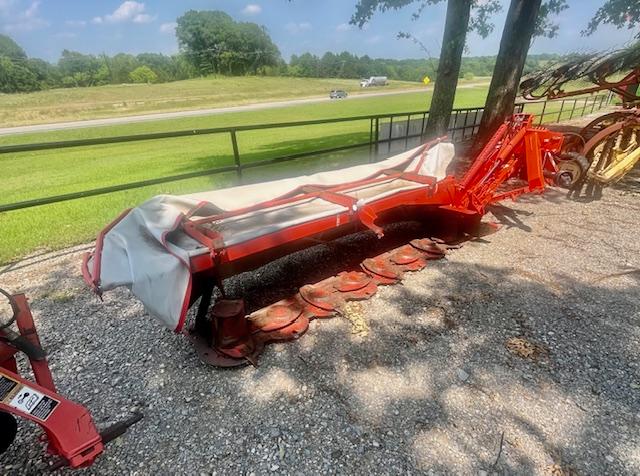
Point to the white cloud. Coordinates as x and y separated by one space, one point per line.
143 18
342 27
168 27
252 9
128 11
76 23
296 28
27 20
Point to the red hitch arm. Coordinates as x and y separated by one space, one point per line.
70 430
68 425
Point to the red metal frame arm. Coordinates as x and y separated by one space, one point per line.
68 425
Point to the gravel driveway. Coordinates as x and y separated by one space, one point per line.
518 354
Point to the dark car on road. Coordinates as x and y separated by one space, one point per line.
338 94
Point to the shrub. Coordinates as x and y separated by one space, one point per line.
143 74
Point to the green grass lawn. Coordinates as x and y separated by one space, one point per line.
30 175
59 105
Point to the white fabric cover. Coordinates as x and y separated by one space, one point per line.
147 251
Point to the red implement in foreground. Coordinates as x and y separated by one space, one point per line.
519 158
70 431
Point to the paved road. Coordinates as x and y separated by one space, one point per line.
198 112
192 113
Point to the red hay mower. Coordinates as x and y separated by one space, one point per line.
519 158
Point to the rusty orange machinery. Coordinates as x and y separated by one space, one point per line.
519 158
69 428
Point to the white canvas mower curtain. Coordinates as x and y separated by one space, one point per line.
149 253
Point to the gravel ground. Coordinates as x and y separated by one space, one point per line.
518 354
434 386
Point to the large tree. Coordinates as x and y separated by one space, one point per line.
525 19
10 49
459 20
15 78
215 43
619 13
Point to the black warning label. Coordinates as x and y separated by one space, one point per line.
6 386
44 408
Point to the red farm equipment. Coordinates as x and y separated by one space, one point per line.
609 146
204 245
69 429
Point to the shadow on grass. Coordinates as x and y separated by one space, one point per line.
270 151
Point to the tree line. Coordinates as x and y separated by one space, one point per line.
19 73
347 65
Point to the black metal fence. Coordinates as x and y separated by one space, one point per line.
398 131
566 109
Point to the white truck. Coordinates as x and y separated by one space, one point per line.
373 81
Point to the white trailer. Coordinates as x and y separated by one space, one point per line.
374 81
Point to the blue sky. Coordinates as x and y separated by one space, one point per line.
46 27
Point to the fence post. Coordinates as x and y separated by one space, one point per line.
377 136
544 107
370 139
424 119
406 136
572 109
593 106
584 108
390 133
464 127
475 123
561 109
236 154
452 130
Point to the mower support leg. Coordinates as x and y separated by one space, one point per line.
202 326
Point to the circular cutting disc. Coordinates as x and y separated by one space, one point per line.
382 268
351 281
405 255
326 299
276 316
290 332
427 246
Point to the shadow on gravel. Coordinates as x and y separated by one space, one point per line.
433 385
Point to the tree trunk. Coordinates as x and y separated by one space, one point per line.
514 46
455 34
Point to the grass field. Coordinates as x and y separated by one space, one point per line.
129 99
32 175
